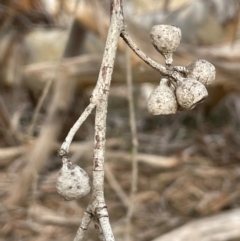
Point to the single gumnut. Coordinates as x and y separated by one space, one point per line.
190 92
73 182
162 100
165 39
201 70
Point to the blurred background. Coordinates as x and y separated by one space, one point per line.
189 172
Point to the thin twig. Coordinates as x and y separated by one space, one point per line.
133 127
86 220
76 126
126 37
97 206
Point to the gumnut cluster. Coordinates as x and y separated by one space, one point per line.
73 182
189 88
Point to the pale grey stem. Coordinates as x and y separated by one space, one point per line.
101 92
86 220
76 126
181 69
133 127
100 96
162 69
106 228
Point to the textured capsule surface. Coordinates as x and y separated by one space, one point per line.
190 92
165 38
73 182
202 70
162 101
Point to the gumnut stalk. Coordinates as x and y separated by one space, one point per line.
190 92
73 182
165 39
201 70
162 100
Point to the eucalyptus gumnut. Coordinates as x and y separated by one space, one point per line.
190 92
201 70
162 100
73 182
165 39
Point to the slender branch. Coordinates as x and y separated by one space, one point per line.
76 126
126 37
86 220
100 94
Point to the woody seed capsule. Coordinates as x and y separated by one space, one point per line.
190 92
73 182
165 39
162 100
201 70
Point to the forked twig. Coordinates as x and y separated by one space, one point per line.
96 210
